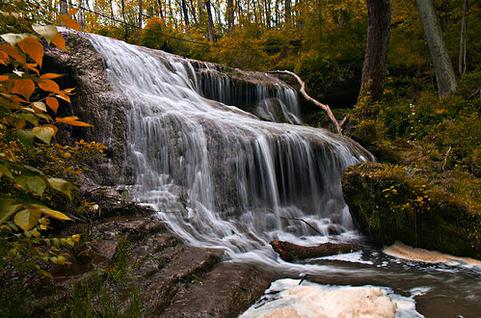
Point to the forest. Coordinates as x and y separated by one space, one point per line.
240 158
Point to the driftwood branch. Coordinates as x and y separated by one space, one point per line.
324 107
304 221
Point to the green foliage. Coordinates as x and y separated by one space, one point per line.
29 102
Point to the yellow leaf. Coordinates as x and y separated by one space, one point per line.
13 38
52 103
39 106
24 87
27 219
76 238
51 213
44 133
33 48
47 31
48 86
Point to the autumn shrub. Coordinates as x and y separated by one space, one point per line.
32 167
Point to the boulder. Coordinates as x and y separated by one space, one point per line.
392 203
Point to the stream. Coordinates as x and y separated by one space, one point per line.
221 177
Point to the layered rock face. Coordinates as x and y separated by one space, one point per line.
218 175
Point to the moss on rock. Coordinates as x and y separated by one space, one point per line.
390 203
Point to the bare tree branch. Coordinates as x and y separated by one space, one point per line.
324 107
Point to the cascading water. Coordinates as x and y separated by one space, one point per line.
222 177
219 176
277 103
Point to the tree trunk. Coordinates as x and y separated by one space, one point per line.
63 7
230 14
185 12
80 18
267 7
375 58
287 13
161 12
112 10
126 30
140 14
210 21
445 78
463 40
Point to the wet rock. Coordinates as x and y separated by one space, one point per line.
292 252
388 203
226 291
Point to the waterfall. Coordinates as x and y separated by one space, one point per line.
218 175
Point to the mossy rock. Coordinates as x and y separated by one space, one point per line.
390 203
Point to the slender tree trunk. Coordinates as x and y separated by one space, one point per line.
63 7
287 13
210 21
192 11
140 14
463 40
161 12
126 30
230 14
375 58
267 7
112 10
445 78
185 12
81 19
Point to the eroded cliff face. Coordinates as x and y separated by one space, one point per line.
107 109
94 102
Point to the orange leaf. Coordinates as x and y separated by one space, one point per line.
12 52
33 67
52 103
63 96
48 86
72 11
59 42
72 121
69 22
50 76
4 78
24 87
3 58
33 48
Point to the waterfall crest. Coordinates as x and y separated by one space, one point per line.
220 176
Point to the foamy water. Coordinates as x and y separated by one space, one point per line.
291 298
409 253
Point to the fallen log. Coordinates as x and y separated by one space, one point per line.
293 252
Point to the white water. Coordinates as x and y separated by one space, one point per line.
291 298
219 176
